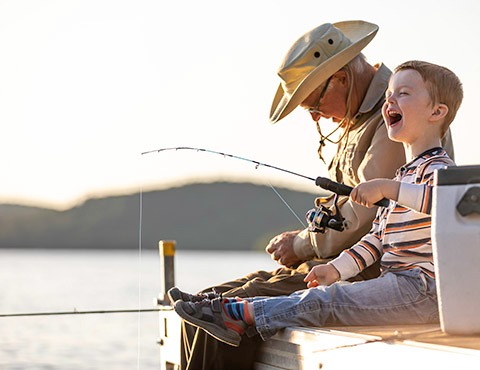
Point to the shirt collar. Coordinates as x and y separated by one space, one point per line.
421 158
429 153
376 89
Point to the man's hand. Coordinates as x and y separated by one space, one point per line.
322 275
281 249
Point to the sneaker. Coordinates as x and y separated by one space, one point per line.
210 316
175 294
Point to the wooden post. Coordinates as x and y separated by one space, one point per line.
170 322
167 267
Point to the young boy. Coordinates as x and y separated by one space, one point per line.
421 101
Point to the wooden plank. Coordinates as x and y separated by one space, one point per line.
365 347
280 354
296 348
430 334
361 347
260 366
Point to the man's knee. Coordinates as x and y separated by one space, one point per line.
284 284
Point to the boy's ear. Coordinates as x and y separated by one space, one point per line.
439 112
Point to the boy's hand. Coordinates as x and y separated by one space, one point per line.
369 192
322 275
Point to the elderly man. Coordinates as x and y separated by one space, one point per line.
325 73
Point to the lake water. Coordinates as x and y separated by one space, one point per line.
64 280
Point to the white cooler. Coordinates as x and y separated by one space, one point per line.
456 247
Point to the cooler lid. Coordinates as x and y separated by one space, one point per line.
458 175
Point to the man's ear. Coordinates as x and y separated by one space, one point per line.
341 76
439 112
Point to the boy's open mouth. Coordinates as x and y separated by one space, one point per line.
394 117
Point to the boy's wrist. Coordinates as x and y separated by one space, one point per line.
335 274
391 189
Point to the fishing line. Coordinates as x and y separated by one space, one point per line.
139 274
75 312
286 204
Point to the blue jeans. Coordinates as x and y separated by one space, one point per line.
401 297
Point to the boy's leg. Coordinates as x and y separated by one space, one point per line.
201 351
197 345
406 297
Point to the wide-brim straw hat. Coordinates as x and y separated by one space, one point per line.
315 57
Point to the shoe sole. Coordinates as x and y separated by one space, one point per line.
218 333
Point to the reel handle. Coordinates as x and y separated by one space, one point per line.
342 189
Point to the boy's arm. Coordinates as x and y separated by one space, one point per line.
322 275
365 253
414 196
369 192
418 196
369 249
351 261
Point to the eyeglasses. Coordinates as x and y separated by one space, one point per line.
316 108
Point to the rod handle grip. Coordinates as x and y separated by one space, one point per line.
342 189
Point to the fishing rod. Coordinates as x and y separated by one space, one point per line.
322 182
257 163
75 312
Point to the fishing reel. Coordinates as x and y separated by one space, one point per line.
319 219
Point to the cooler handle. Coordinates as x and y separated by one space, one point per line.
470 202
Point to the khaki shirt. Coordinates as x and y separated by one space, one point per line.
365 153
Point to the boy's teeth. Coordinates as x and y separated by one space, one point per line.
394 116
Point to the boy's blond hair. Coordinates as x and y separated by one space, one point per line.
443 85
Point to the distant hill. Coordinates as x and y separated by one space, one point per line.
222 215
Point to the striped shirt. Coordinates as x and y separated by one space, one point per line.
401 233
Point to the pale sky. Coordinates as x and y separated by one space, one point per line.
88 85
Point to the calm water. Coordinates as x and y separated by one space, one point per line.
46 280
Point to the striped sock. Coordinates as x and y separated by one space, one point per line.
232 300
237 310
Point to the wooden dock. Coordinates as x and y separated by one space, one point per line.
354 347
